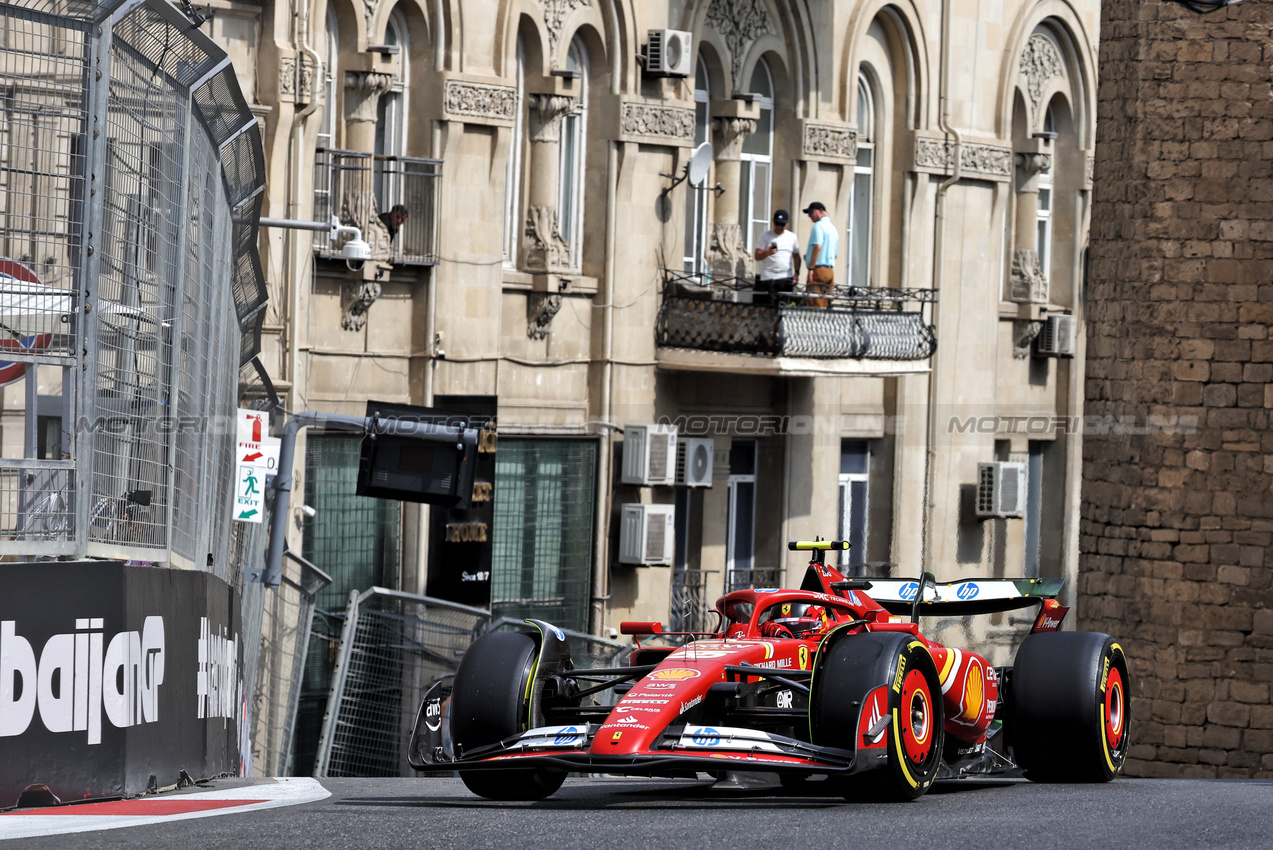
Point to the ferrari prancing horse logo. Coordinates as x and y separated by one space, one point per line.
804 658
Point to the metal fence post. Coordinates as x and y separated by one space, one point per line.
338 685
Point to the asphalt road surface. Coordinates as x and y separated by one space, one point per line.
592 813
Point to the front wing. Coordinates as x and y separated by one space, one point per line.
680 749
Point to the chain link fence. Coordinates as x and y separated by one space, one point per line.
131 180
393 647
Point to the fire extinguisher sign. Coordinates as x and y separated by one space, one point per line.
257 456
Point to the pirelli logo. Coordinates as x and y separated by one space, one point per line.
897 679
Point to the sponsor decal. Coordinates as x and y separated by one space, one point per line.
566 737
967 590
853 599
786 609
641 708
784 699
909 590
433 714
1048 623
1104 675
897 679
217 683
675 674
557 633
625 720
974 697
689 652
660 685
804 658
79 675
686 706
626 701
705 736
616 736
777 663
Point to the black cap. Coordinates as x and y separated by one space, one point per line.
782 217
816 205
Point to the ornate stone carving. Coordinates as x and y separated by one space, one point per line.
1029 283
543 249
355 318
555 12
546 112
480 100
657 122
362 94
982 159
287 77
1040 62
369 12
541 307
739 23
727 253
825 142
729 134
1023 333
1091 169
1034 163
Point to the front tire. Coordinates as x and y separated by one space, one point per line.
1070 707
845 673
490 702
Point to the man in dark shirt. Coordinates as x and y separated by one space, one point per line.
394 219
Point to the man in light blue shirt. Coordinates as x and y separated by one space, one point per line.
820 254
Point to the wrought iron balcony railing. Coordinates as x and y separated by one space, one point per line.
358 188
734 316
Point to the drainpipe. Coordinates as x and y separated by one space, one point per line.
601 545
939 217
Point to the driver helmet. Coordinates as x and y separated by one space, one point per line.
800 617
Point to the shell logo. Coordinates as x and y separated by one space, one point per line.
675 674
974 696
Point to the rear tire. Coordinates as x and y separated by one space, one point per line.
1069 708
490 702
852 667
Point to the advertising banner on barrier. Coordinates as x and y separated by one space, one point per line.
116 678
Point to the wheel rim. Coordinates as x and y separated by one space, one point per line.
1115 710
917 717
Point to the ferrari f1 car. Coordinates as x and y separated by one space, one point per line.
833 679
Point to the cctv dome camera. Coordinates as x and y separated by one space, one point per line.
356 252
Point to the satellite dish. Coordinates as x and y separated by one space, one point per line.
700 163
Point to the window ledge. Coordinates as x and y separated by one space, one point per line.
562 284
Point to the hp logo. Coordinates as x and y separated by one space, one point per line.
706 737
909 590
566 737
967 590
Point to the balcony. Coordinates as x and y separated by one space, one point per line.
357 187
729 326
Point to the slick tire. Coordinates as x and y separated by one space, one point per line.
489 703
845 672
1069 707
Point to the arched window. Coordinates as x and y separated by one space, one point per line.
391 113
696 198
1043 218
862 200
571 173
757 161
513 171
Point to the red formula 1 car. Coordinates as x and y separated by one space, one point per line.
833 679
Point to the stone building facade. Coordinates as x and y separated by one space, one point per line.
549 235
1178 516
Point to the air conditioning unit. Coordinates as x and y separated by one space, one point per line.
1058 337
649 454
647 534
694 457
1001 489
668 53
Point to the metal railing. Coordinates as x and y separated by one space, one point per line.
361 189
735 315
689 609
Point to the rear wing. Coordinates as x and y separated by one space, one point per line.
961 598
